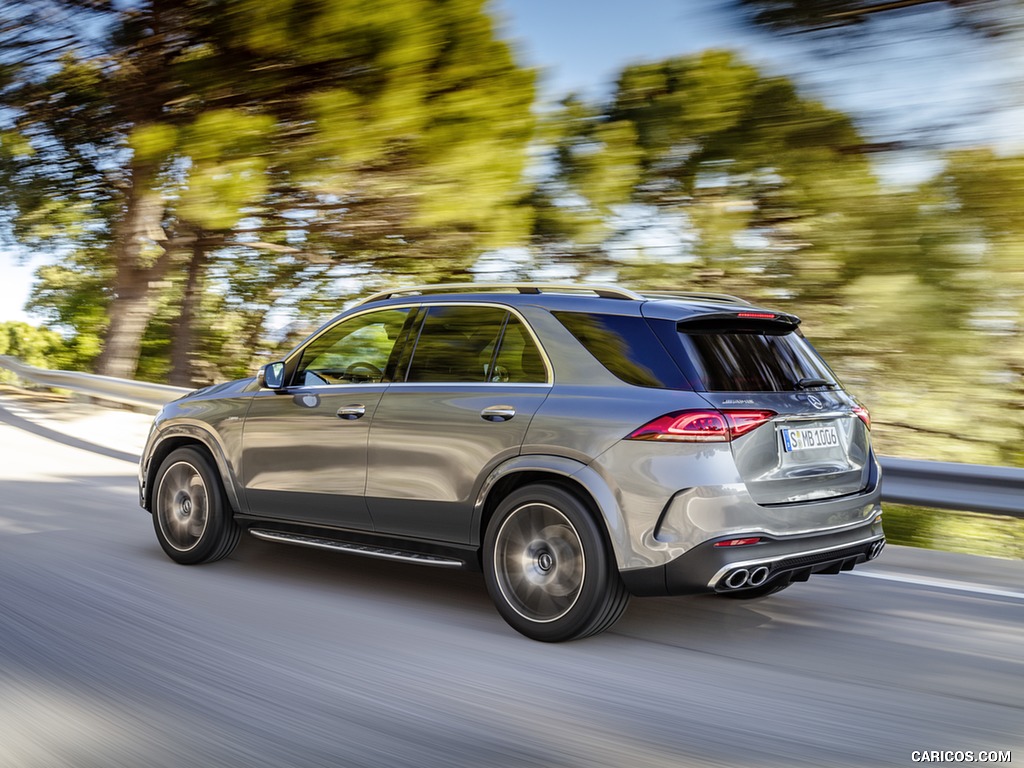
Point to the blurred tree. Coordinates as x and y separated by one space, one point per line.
72 297
988 190
988 17
39 347
758 181
71 185
341 131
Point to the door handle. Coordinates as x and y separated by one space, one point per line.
351 412
498 413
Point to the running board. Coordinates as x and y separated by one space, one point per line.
356 549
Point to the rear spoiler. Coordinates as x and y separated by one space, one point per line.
743 320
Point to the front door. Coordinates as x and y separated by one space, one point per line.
304 447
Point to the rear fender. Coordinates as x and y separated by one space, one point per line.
569 471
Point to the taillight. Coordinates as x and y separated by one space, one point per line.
862 413
700 426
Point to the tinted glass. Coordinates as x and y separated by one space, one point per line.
754 362
519 361
627 347
456 344
355 351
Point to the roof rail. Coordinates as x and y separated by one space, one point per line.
604 291
723 297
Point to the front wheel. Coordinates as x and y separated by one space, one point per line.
191 516
548 567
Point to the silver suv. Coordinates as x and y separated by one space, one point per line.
577 444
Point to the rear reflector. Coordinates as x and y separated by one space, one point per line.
737 542
701 426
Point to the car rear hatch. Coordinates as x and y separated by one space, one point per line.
811 439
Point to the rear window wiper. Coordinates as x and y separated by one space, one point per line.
808 382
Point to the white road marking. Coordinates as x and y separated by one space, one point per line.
926 581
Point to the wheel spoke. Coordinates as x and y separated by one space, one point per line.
182 505
539 562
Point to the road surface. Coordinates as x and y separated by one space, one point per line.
111 655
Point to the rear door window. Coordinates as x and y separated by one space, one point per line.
471 344
518 360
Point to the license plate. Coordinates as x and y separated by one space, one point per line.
809 438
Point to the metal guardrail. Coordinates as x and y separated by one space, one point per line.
943 485
140 394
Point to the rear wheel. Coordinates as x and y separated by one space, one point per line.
191 516
548 567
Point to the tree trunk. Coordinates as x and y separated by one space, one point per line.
183 340
141 261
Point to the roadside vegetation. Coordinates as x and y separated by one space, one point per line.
966 532
214 179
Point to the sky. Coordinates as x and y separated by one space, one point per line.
580 45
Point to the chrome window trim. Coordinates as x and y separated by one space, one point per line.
295 389
488 384
549 370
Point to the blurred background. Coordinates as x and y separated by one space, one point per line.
187 187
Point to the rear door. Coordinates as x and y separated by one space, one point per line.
460 406
816 447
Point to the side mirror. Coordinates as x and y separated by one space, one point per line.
271 376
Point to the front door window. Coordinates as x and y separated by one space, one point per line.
355 351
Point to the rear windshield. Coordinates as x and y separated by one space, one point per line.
755 362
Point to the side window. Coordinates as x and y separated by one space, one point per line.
456 344
355 351
627 347
519 361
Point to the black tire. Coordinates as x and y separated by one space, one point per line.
191 514
756 592
549 568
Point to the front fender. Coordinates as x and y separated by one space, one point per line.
166 438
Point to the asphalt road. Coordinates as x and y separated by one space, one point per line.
112 655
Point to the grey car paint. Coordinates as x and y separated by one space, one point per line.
212 417
656 500
430 444
299 455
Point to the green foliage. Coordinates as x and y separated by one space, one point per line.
309 150
152 144
910 292
73 297
39 347
965 532
344 131
990 189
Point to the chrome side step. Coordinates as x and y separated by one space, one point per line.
356 549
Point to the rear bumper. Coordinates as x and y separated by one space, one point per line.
774 560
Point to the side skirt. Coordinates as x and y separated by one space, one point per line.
417 551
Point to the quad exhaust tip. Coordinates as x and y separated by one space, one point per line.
876 549
737 578
743 577
758 576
